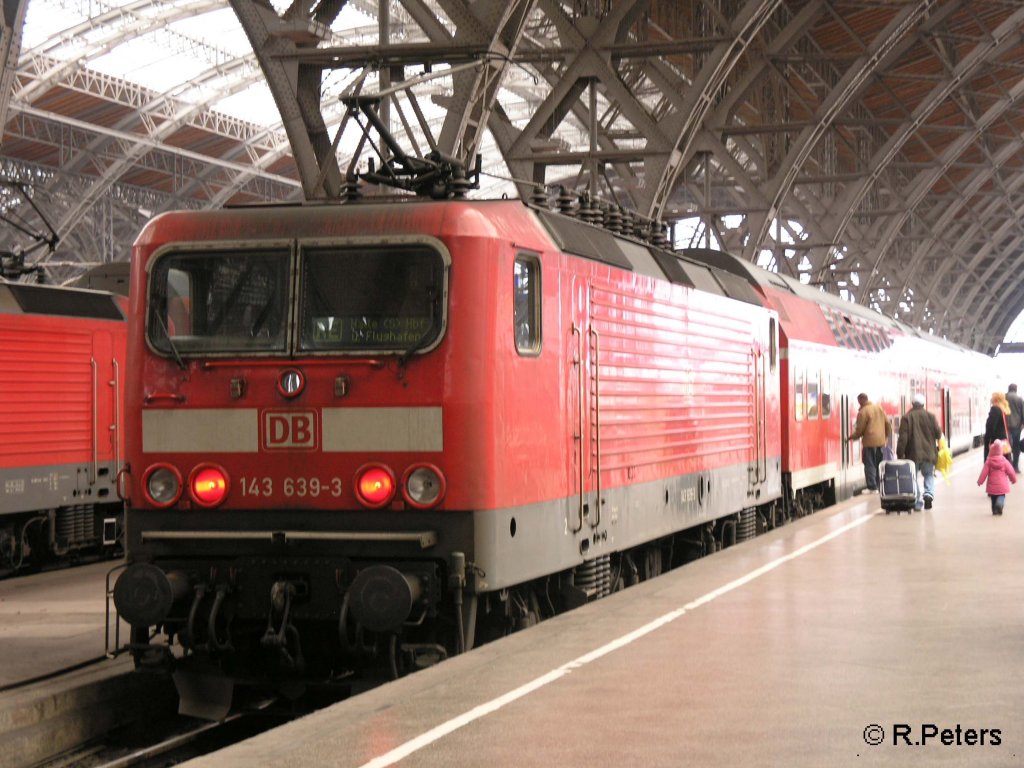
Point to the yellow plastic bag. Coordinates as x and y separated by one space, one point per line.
944 463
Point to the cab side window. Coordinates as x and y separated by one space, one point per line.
526 305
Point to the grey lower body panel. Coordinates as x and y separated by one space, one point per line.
26 489
515 545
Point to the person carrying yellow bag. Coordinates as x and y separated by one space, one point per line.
944 461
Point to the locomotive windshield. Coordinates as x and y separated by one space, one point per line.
219 301
365 298
370 298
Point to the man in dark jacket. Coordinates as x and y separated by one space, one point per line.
919 442
1014 421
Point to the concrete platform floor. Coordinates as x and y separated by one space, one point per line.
52 620
850 638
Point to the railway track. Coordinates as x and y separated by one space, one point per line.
171 740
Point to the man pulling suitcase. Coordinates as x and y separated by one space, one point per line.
919 441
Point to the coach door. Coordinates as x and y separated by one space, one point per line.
582 348
759 471
844 433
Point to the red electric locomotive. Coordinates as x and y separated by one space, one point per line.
62 355
366 432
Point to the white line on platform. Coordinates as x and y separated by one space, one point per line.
425 739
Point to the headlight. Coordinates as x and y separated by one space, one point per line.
163 485
424 485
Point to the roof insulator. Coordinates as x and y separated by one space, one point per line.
459 184
613 219
566 201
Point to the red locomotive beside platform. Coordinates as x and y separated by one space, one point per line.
62 354
374 434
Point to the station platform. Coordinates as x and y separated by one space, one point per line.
58 689
52 620
847 638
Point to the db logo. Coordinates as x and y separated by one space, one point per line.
289 430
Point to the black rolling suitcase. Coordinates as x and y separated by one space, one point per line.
897 485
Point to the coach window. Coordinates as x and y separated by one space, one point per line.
773 344
798 395
526 305
826 396
812 395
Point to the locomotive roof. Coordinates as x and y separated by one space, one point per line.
585 239
707 270
398 216
33 299
720 272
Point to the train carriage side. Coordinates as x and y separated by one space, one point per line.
890 362
832 350
957 384
313 433
62 355
817 408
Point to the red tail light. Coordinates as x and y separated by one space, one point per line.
375 485
209 485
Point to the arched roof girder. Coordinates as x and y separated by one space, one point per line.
992 313
296 94
161 115
13 22
964 243
709 138
724 59
980 298
57 70
474 92
157 133
847 205
921 185
164 113
896 37
979 229
1003 38
1014 299
584 64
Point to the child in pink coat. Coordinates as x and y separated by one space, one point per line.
1000 474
